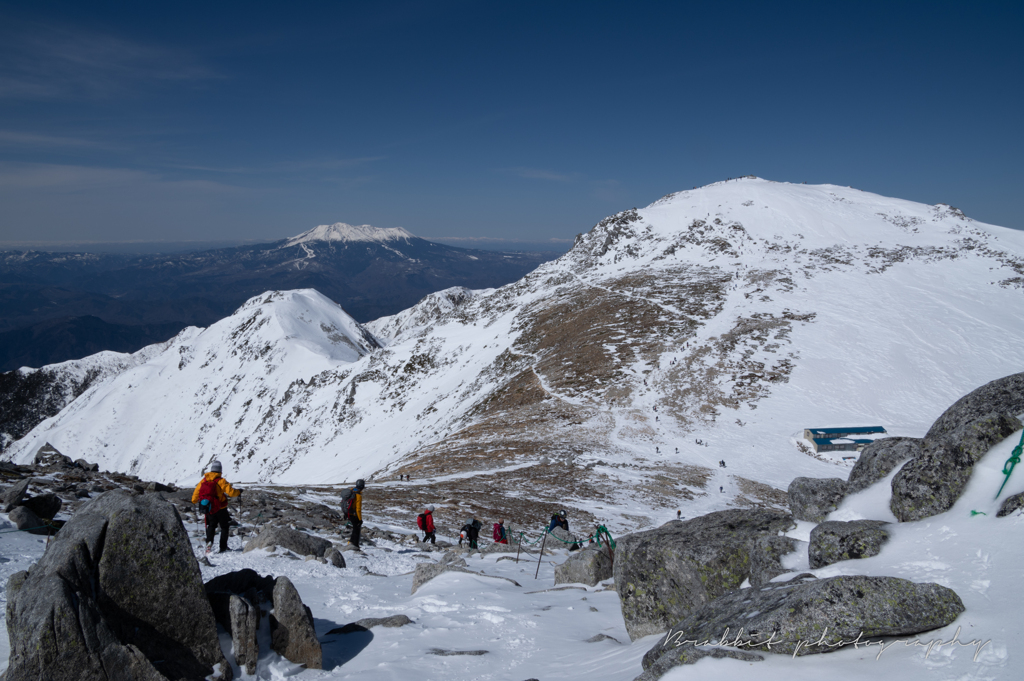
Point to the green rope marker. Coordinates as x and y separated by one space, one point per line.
974 513
601 529
1011 462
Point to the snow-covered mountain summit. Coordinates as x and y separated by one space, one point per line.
345 233
714 324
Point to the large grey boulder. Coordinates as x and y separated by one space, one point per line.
1003 396
449 562
335 557
766 558
880 458
118 594
24 519
834 541
560 539
661 575
239 582
44 505
13 495
245 624
931 483
806 615
293 540
813 499
589 566
1010 504
291 627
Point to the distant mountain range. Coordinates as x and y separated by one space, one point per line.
60 306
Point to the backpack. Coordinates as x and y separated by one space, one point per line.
499 532
421 521
349 504
207 495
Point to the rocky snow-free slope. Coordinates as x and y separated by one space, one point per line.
719 321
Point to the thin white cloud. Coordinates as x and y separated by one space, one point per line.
39 61
72 179
541 174
17 138
286 166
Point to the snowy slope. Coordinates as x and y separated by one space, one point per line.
431 309
735 315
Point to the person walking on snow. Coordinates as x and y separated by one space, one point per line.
559 520
425 521
500 536
353 506
470 532
212 494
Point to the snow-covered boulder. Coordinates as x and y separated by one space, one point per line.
589 566
880 458
806 615
814 498
293 540
834 541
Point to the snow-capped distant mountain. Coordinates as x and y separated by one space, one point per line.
344 233
714 324
371 272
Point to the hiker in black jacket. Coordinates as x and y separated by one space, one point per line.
470 532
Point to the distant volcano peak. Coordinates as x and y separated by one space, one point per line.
340 231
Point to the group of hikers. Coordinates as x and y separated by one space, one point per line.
212 493
469 533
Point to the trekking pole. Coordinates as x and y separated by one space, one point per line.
541 555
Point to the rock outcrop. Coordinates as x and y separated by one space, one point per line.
932 482
244 617
691 654
589 566
24 519
13 495
880 458
766 558
662 575
118 594
807 615
299 542
393 621
814 498
291 627
335 557
1010 504
834 541
44 505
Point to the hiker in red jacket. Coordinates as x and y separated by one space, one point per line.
500 536
212 494
425 521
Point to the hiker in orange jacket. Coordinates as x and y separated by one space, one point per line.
212 494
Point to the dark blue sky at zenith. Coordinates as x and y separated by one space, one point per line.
483 120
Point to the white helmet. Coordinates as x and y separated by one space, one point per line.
430 507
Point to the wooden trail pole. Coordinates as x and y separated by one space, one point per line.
542 543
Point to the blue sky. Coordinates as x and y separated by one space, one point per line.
487 120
